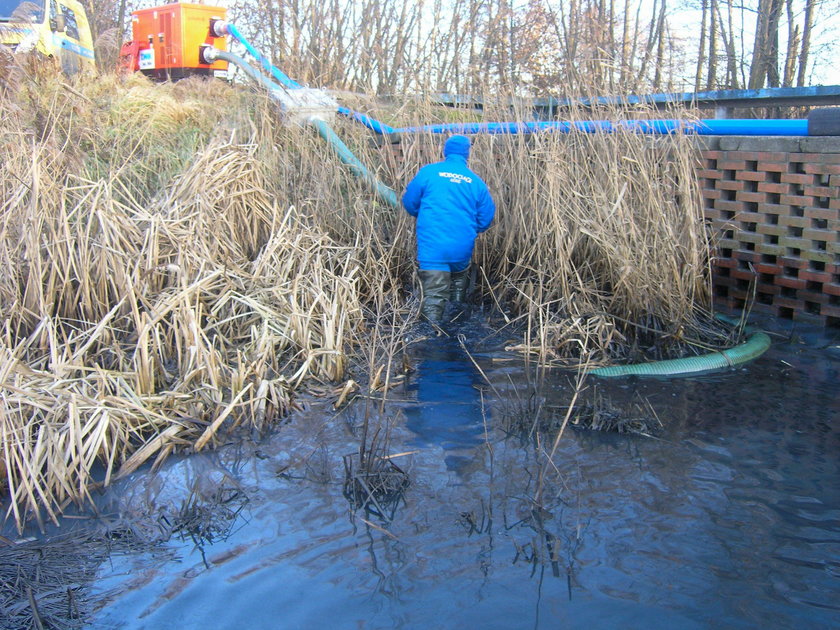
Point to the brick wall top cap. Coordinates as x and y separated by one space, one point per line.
763 143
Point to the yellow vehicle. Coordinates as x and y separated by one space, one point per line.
57 29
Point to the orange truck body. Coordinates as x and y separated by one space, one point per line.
167 40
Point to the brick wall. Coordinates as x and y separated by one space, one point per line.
774 203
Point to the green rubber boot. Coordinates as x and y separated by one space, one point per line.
459 284
435 287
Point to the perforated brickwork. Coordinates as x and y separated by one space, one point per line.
777 215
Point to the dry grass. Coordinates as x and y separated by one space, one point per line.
617 232
599 250
176 264
155 292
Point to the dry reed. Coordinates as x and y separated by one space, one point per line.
176 264
155 292
599 251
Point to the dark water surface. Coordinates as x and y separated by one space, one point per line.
729 518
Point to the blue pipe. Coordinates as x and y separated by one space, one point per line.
712 127
748 127
371 123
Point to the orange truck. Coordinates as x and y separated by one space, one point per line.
167 40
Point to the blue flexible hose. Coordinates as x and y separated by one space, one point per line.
266 64
371 123
358 169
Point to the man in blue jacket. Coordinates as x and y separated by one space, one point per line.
452 205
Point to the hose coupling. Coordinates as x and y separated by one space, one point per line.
218 28
207 54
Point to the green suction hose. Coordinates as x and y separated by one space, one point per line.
756 344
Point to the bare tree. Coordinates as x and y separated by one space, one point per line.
625 45
121 16
712 74
764 65
727 33
793 38
701 53
660 49
806 42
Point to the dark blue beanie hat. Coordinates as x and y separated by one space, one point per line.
457 145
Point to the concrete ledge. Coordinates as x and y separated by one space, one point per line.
785 144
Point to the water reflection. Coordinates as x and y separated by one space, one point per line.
730 519
448 409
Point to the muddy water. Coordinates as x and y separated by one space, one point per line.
729 517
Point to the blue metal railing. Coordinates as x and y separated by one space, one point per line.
766 97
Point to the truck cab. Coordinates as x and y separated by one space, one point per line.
57 29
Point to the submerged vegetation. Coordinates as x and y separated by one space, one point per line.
177 263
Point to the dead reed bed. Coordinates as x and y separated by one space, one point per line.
612 240
163 281
176 264
48 584
599 251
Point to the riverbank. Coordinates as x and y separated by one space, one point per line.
178 266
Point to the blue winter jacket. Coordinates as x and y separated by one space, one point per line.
452 205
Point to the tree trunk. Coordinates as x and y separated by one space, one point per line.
792 46
733 81
639 80
660 48
612 46
764 65
773 78
121 20
758 67
806 42
711 76
701 53
650 40
624 74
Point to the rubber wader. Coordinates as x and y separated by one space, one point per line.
435 288
459 283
